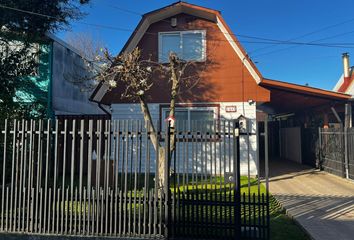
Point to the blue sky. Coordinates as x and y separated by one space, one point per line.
272 19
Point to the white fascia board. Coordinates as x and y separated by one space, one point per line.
238 51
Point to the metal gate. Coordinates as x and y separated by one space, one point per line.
332 151
100 178
206 185
337 151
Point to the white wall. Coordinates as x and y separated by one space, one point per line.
291 144
248 155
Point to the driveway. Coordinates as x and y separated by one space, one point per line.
321 203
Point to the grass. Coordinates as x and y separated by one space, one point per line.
282 226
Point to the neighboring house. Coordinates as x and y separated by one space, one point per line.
230 85
53 88
346 82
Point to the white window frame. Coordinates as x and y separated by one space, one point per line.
189 109
203 32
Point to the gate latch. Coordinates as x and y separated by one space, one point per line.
229 177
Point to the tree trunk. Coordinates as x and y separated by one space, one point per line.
160 150
174 89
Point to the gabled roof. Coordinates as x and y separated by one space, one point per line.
172 10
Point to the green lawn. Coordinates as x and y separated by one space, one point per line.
281 226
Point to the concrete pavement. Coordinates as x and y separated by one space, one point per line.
321 203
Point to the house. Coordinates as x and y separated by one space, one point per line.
345 84
230 84
53 88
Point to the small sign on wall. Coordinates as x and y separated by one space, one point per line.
231 109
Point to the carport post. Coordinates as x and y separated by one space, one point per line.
319 159
267 171
347 124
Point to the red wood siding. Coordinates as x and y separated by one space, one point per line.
223 78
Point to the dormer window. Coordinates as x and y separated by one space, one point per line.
188 45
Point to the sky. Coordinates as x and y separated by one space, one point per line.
324 22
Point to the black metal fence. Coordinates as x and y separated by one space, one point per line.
337 151
101 178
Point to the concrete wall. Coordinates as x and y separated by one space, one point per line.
248 145
69 98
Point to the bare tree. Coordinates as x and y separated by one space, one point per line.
91 63
129 71
87 44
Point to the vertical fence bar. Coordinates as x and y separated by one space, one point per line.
21 210
17 146
57 205
29 186
125 195
3 176
98 173
116 172
82 136
75 212
50 205
93 212
24 179
7 210
14 133
55 200
66 210
63 181
72 171
136 178
33 188
131 156
107 168
40 210
38 173
85 211
89 170
47 160
147 176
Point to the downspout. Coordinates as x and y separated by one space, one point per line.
104 110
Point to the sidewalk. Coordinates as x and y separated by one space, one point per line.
321 203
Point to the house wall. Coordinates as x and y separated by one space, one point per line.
69 98
221 78
247 155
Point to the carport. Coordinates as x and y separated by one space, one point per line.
295 113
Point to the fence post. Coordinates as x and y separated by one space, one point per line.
237 173
266 156
167 179
346 149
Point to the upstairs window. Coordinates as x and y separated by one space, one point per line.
188 45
